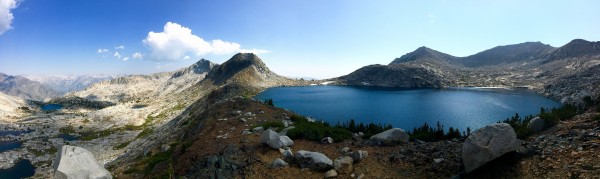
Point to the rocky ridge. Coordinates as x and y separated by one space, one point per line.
553 72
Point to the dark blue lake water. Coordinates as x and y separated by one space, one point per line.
21 169
408 108
15 133
50 107
68 137
9 145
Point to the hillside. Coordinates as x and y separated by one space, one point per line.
24 88
534 65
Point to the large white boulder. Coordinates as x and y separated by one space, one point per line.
390 137
274 140
268 135
536 124
487 144
280 142
313 160
76 162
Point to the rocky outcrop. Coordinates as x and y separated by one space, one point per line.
390 137
488 143
313 160
536 124
76 162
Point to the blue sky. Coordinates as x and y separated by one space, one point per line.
306 38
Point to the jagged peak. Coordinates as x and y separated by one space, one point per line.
236 64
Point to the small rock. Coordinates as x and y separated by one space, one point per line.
438 160
313 160
359 155
287 153
327 140
278 163
248 114
536 124
165 148
242 119
390 137
344 150
258 129
361 176
343 164
331 174
579 149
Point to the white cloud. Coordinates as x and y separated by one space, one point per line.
6 16
120 47
186 57
176 42
255 51
100 50
137 55
116 54
126 58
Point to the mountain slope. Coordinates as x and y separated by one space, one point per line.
24 88
138 87
507 54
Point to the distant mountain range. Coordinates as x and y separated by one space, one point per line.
68 83
534 65
24 88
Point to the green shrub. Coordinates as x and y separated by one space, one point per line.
429 134
316 130
596 118
552 117
120 146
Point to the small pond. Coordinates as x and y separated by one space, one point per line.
68 137
51 107
21 169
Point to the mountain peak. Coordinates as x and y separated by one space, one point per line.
423 53
236 64
576 48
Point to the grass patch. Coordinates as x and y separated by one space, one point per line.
85 121
177 107
38 153
67 130
596 118
151 162
91 135
144 133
